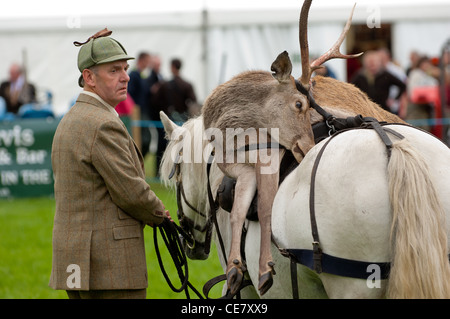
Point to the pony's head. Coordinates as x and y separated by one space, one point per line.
184 167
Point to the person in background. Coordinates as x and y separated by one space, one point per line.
154 82
325 71
414 57
138 87
425 74
398 106
125 108
446 70
139 91
175 98
177 95
17 91
376 82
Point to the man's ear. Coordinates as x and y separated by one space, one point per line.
89 77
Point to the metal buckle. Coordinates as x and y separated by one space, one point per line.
317 257
330 126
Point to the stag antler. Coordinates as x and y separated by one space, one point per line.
303 39
332 53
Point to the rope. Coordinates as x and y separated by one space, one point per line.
170 235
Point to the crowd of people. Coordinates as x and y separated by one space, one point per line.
385 82
395 89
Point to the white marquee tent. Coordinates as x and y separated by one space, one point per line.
215 40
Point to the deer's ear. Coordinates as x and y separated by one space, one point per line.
282 67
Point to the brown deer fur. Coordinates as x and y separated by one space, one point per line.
334 94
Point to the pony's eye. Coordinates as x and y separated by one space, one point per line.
298 104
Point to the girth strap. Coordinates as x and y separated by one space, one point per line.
339 266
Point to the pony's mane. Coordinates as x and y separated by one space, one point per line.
189 138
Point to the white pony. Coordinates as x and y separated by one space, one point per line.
368 209
193 174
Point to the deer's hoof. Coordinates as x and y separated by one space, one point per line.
235 276
266 279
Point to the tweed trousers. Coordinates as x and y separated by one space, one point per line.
108 294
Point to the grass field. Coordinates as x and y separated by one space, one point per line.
26 251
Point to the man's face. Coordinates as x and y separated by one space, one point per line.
372 63
110 81
14 72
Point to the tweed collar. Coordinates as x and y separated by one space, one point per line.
97 97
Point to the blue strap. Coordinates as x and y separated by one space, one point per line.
340 266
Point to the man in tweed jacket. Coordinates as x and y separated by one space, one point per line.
102 199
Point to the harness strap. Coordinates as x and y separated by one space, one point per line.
214 281
324 129
368 123
168 231
180 189
213 208
312 103
338 266
317 251
294 280
260 146
374 124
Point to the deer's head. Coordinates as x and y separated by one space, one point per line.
289 110
292 120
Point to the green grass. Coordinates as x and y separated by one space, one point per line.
26 251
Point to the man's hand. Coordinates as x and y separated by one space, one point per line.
168 215
164 213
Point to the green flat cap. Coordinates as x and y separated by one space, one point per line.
99 49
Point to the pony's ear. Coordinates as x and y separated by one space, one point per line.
169 126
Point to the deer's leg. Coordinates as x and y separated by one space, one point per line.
244 192
267 177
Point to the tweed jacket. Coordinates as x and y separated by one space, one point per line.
102 202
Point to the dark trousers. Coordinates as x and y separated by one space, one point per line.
108 294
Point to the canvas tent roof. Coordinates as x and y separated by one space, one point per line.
235 36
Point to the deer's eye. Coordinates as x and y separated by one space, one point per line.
298 105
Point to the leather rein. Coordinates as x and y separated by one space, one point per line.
187 223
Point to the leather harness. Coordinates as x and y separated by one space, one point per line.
316 259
